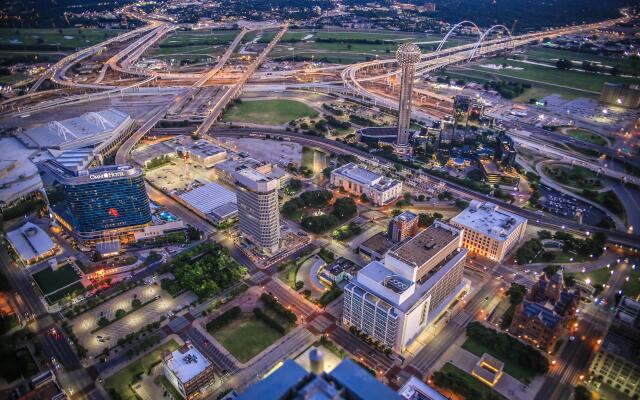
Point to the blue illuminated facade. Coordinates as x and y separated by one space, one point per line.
102 201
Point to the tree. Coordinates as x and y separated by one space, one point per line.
425 220
528 251
120 313
295 185
580 392
462 204
136 303
548 256
564 64
102 322
316 198
344 208
516 293
544 234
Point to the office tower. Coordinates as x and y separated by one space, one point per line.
396 300
258 213
108 201
407 55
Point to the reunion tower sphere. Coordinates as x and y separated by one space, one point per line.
408 53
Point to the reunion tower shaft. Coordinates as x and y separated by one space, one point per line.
407 55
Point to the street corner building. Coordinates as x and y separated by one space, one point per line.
107 201
397 299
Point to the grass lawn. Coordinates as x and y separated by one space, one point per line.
537 90
551 55
289 273
193 46
469 380
571 79
562 257
339 51
246 336
121 380
49 280
575 176
598 276
610 201
632 288
520 372
268 112
587 136
65 39
60 294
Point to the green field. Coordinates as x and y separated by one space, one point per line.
587 136
587 83
562 257
193 46
53 39
246 336
268 112
470 382
518 371
343 52
61 294
550 55
632 288
536 91
574 176
597 277
49 280
121 380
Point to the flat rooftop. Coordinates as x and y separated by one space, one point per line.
96 174
30 241
377 272
209 196
365 177
415 389
378 243
203 148
489 219
187 362
357 173
426 244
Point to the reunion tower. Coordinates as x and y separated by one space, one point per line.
407 55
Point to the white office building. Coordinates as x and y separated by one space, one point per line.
357 180
189 371
258 211
394 301
488 230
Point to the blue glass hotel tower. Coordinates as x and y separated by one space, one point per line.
102 202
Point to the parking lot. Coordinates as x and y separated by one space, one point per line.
155 303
